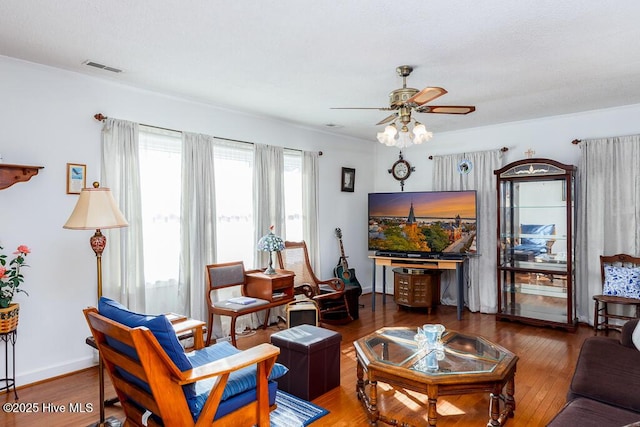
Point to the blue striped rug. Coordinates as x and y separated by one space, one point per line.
293 411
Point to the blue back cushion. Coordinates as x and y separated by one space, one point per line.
161 328
159 325
545 230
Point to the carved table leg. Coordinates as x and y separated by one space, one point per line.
494 406
373 402
432 413
360 379
510 400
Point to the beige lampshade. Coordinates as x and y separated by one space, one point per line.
96 209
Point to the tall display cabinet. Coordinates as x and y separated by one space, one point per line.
536 243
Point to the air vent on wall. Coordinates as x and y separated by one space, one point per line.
102 66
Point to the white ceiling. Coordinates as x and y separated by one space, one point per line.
294 59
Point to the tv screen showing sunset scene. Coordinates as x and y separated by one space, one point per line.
423 222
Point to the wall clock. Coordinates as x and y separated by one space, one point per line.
401 170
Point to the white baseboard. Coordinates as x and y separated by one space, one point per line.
50 372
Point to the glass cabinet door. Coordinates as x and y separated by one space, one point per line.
535 235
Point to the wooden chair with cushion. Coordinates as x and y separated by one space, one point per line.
620 286
225 275
329 294
159 385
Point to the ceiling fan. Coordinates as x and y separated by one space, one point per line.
407 100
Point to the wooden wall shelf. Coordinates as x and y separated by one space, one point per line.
10 174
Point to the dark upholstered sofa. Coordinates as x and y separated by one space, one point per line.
605 389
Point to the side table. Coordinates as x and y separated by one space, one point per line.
9 382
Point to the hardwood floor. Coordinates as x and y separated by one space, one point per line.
547 359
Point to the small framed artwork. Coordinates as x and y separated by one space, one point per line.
76 178
348 179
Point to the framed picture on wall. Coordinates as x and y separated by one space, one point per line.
348 179
76 178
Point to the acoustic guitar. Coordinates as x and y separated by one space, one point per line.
342 270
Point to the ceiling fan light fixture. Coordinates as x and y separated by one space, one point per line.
405 138
387 137
421 134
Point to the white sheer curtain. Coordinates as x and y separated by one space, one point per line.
123 259
481 268
268 193
198 222
310 206
608 211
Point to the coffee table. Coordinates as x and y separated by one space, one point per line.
469 364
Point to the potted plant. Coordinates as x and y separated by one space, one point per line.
10 280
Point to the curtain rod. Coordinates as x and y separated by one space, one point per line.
101 117
503 149
576 141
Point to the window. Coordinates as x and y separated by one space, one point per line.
234 203
293 195
160 182
160 175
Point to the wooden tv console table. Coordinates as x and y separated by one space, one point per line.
424 263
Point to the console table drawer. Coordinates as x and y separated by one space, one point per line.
270 287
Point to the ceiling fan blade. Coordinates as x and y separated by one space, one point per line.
387 119
446 109
362 108
425 95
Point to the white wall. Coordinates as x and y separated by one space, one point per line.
46 119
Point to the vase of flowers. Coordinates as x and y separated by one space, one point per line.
10 280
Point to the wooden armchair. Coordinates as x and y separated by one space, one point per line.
621 285
155 390
328 294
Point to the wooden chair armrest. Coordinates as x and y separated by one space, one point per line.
336 283
329 296
257 354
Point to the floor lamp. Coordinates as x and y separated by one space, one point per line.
97 209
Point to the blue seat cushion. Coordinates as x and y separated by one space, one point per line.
239 381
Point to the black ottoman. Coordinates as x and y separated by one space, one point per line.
312 355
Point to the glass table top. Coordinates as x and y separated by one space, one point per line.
461 354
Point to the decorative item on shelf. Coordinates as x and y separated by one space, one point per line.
270 243
96 209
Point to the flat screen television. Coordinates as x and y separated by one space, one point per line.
423 224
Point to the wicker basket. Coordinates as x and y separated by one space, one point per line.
9 318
